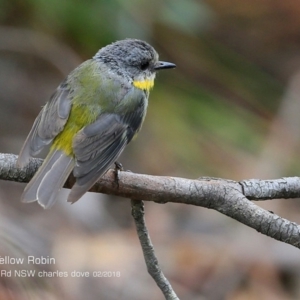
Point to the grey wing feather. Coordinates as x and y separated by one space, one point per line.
96 147
92 140
29 144
55 114
48 124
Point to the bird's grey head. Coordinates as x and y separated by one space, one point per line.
135 57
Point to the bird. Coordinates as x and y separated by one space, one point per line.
89 119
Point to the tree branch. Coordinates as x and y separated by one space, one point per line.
226 196
148 251
286 187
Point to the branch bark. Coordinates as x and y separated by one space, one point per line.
229 197
151 261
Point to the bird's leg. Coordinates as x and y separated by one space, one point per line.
118 167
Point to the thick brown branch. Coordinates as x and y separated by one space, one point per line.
227 197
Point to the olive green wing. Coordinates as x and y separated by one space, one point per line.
99 145
48 124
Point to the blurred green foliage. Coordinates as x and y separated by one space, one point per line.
223 97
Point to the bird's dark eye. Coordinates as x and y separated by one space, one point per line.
144 65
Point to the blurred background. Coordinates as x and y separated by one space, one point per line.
230 109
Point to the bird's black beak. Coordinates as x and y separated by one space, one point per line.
163 65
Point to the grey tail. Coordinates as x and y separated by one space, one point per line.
49 179
78 191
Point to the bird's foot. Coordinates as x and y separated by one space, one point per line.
118 167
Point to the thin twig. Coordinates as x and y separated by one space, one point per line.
148 250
